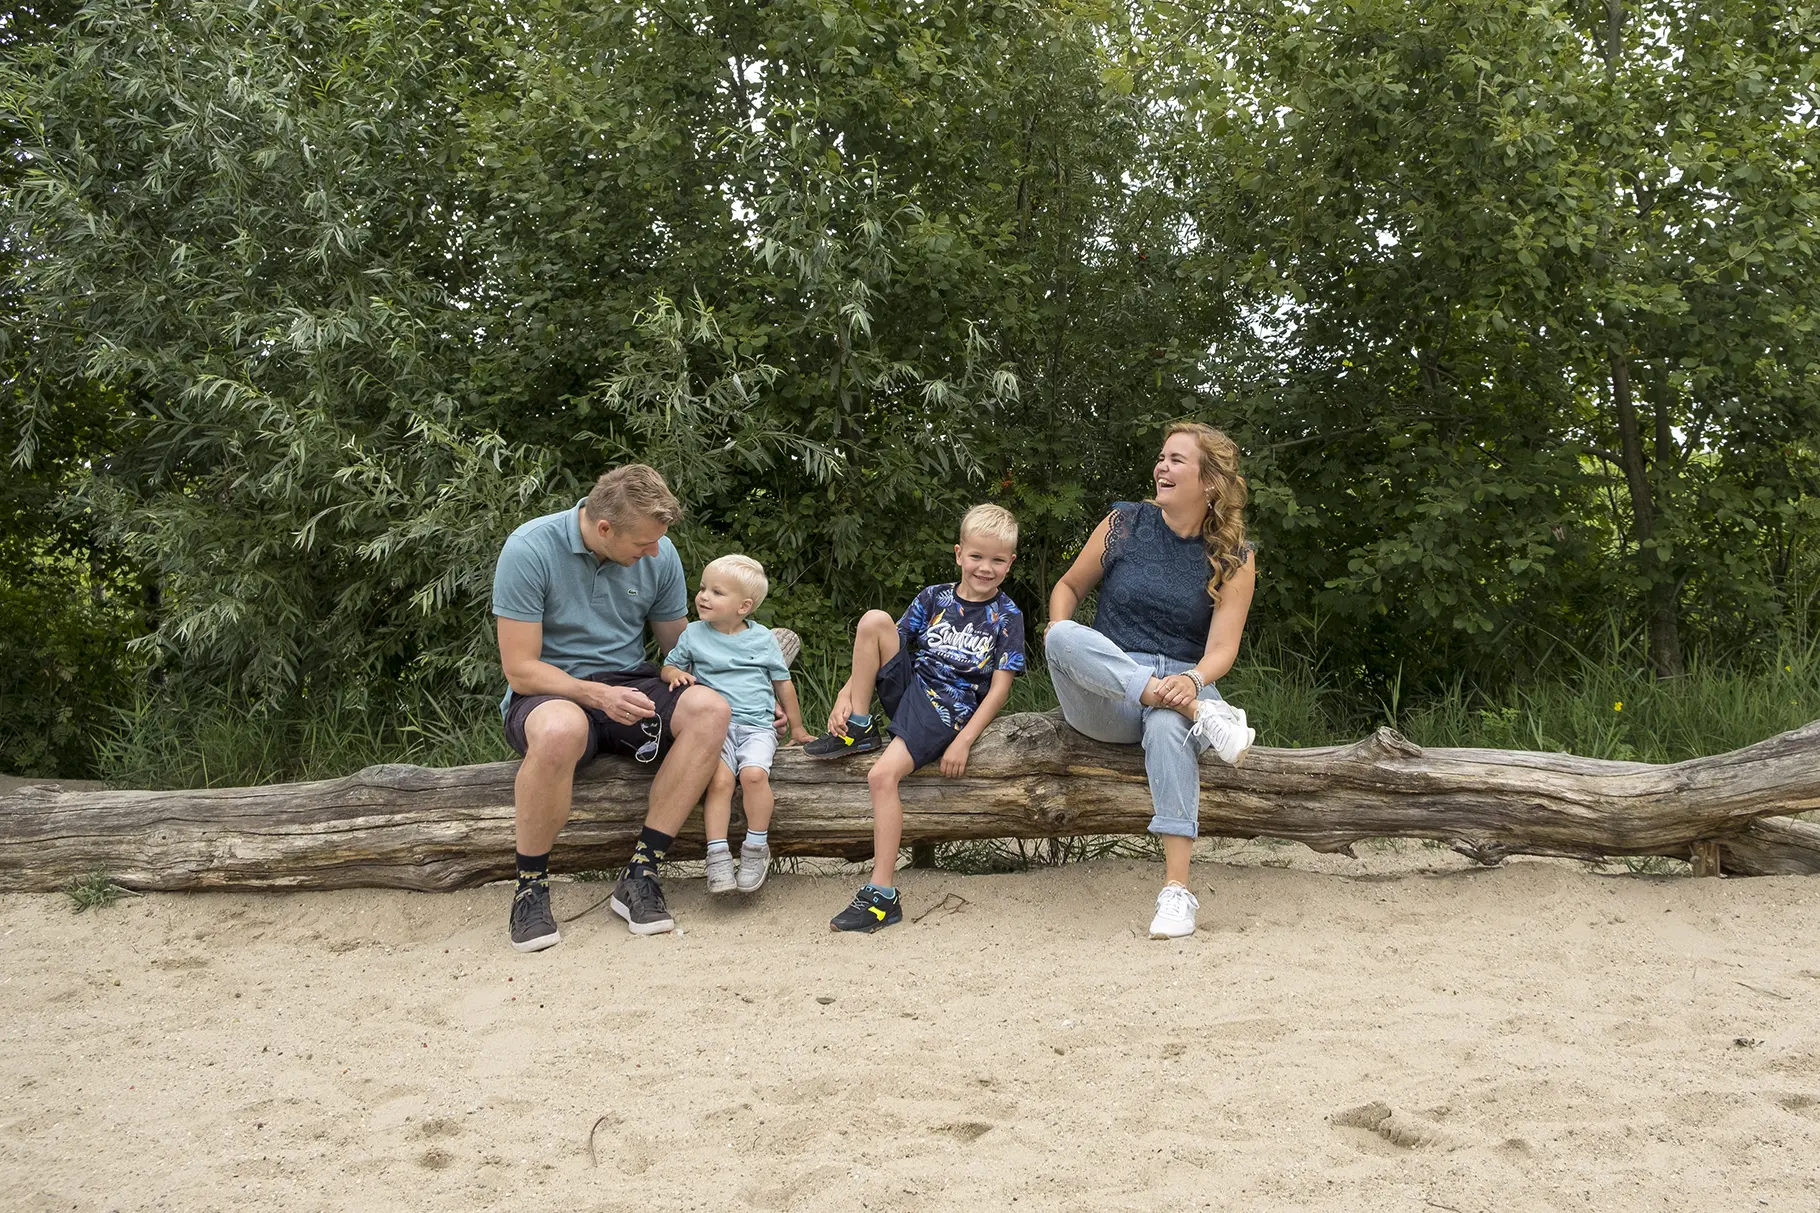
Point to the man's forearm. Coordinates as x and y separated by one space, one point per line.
542 678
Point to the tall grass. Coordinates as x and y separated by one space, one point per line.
212 741
1601 704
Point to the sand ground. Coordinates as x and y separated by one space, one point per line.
1539 1037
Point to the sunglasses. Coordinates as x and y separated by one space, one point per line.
653 728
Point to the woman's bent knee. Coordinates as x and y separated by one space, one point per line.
1059 640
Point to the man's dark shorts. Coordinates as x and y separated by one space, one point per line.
913 716
605 733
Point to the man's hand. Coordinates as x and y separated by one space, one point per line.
626 705
954 758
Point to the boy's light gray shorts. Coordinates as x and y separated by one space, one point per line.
748 745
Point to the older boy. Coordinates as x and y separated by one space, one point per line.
943 671
728 652
573 593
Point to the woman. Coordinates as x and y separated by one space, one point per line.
1177 578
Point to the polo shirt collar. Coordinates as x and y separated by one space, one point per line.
575 543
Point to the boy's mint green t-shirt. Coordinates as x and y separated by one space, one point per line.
741 666
593 611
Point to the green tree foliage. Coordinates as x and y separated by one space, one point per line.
1509 304
68 605
1545 282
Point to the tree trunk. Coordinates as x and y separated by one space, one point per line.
1030 777
1664 621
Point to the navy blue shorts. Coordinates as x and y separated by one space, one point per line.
606 735
913 717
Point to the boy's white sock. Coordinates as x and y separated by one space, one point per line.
757 838
718 844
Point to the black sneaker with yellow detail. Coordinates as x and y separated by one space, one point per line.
858 740
870 909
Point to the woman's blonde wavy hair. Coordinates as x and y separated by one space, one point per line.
1223 530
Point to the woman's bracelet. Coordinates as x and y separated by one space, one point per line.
1193 675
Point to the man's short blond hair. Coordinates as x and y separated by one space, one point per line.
990 522
746 574
635 491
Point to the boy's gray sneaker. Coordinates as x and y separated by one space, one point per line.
640 901
720 871
533 925
754 865
789 643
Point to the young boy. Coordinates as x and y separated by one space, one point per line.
943 671
729 653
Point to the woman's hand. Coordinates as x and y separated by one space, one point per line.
1177 691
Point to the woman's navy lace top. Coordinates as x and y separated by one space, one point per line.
1153 595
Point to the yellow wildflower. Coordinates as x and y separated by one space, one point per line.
1618 706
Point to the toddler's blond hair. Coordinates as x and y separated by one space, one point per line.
744 572
990 522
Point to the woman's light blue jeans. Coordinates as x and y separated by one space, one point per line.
1098 685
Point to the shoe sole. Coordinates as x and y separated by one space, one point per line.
642 928
754 888
872 930
1162 935
728 887
866 749
540 943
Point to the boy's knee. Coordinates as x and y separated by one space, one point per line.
882 777
753 778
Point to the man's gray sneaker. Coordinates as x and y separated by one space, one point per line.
640 901
754 864
720 871
533 925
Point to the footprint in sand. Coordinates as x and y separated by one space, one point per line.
1398 1128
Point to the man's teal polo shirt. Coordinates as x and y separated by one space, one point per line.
593 611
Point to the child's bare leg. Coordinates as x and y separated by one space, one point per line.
717 804
755 786
888 810
874 643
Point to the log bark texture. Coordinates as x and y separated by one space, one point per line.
1030 777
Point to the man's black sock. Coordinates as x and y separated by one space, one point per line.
651 847
532 869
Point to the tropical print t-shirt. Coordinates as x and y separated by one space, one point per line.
956 647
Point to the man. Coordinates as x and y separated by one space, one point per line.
572 593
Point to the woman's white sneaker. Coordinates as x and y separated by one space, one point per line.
1175 907
1224 728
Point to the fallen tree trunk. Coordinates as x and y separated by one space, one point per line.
1030 777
